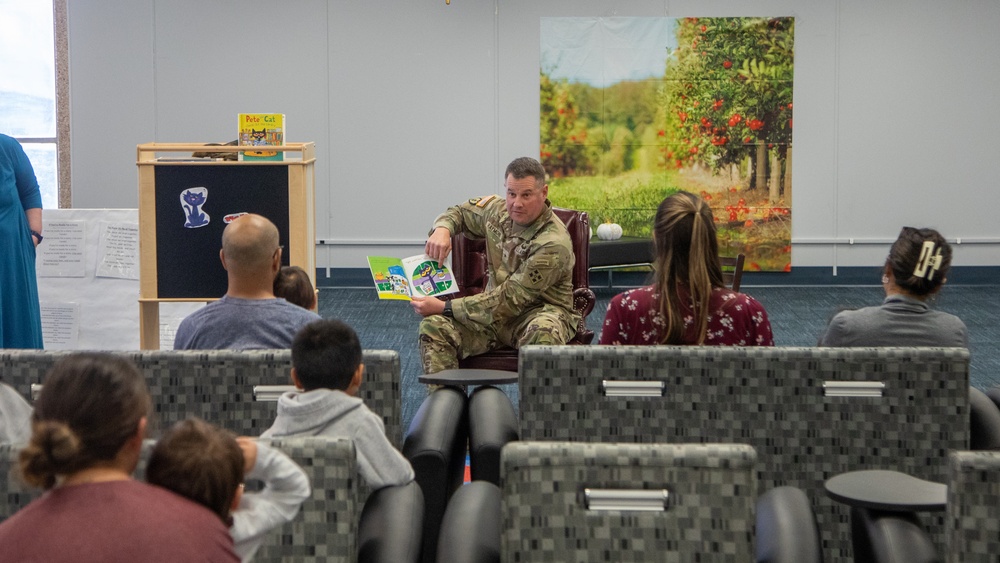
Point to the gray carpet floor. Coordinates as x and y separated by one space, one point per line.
797 314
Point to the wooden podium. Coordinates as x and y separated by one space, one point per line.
184 205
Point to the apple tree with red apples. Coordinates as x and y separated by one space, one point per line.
728 92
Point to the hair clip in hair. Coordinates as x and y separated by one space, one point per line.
929 262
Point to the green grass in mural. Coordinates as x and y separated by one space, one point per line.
629 199
745 221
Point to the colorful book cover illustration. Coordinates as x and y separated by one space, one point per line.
415 276
261 130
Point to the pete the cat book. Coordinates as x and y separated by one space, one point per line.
261 130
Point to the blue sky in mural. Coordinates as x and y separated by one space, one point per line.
603 51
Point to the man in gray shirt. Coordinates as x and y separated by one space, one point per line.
249 316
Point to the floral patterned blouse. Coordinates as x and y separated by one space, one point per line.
736 319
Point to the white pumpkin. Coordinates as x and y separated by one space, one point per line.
609 231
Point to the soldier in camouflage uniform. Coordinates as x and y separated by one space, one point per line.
529 295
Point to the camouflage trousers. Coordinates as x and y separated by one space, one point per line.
443 341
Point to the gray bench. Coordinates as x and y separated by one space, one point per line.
218 386
577 502
324 530
973 512
811 413
326 527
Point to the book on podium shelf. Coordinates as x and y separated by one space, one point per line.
261 130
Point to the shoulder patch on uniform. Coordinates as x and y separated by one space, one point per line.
482 201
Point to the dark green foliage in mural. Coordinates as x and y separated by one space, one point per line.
563 133
728 91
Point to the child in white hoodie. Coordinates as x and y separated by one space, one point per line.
208 465
15 416
327 368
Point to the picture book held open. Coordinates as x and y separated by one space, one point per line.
414 276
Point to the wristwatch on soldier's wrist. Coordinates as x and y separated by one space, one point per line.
447 310
37 235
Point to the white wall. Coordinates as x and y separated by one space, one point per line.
416 105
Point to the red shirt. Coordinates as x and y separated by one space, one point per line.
735 319
114 521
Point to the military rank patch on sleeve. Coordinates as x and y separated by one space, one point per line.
482 201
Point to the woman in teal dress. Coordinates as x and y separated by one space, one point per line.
20 233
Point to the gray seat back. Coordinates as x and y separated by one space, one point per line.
973 514
23 368
775 399
14 493
381 390
706 515
218 385
326 528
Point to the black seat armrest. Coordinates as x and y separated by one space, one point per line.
984 421
470 532
391 526
492 424
435 445
786 529
890 537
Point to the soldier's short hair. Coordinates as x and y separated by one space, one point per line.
526 166
325 355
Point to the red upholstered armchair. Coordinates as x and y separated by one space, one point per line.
469 263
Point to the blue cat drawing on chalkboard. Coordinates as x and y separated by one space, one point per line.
191 201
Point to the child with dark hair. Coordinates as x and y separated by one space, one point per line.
915 271
327 368
201 462
207 464
293 285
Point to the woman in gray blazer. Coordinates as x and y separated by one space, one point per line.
914 272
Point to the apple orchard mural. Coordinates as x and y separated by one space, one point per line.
635 109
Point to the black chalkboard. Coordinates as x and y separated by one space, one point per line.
187 257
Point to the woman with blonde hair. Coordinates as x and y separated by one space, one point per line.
87 433
688 302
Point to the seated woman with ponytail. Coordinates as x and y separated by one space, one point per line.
913 274
87 433
688 302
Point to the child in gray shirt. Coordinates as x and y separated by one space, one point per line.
326 366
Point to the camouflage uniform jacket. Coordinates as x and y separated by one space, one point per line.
529 267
